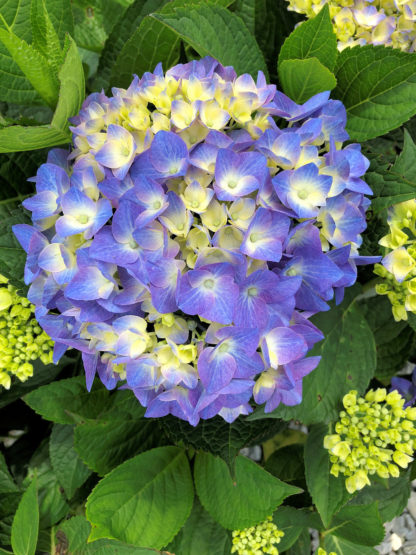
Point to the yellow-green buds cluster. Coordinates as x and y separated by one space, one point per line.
323 552
360 22
374 435
398 267
22 340
257 540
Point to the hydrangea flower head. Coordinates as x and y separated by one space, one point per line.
187 238
22 340
257 540
361 22
374 435
398 267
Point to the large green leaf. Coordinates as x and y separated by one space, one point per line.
348 362
241 500
302 79
217 436
14 87
151 42
145 500
45 37
394 340
71 94
344 547
7 484
25 526
391 495
201 534
246 9
73 534
33 65
314 38
94 21
103 444
359 523
68 467
377 86
60 401
328 493
123 30
213 30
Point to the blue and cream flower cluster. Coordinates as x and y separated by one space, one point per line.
361 22
198 222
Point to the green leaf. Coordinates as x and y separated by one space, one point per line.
394 340
217 436
314 38
75 533
274 22
151 43
395 184
412 320
14 87
45 37
25 527
145 500
344 547
287 464
12 256
105 443
391 494
94 20
71 95
246 9
72 91
121 34
58 401
52 504
201 534
7 484
377 86
328 493
17 138
215 31
293 522
359 523
34 66
68 467
348 362
240 501
302 79
302 545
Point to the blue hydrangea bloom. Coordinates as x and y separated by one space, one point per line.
198 222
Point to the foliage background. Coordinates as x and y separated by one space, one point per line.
87 473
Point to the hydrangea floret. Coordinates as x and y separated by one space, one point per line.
375 434
361 22
197 223
398 267
257 540
22 340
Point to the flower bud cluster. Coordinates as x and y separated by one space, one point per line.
360 22
258 539
374 435
398 267
322 551
22 340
